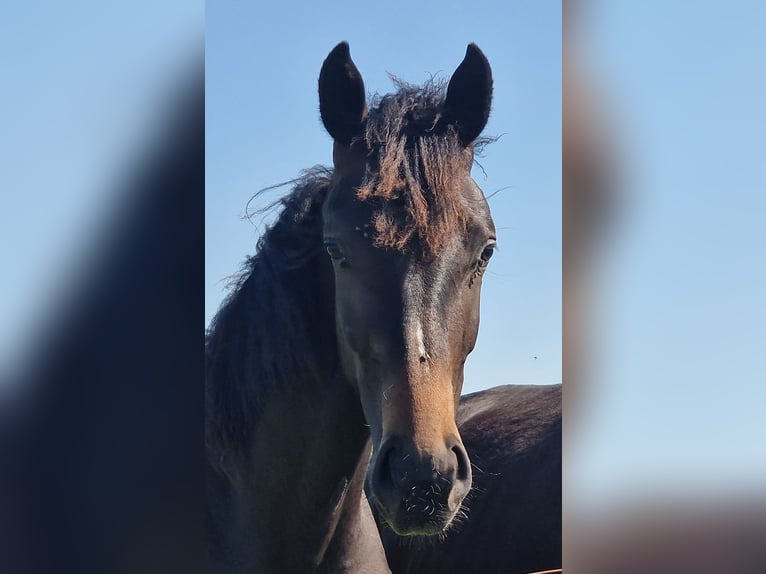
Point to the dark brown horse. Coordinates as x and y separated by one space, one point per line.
351 326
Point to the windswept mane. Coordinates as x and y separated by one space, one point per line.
266 329
415 168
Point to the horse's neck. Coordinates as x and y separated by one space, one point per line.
294 499
298 493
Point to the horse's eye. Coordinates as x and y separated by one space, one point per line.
487 253
334 250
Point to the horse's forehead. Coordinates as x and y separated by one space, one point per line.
344 210
343 206
343 193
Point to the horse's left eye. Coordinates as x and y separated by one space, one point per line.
487 253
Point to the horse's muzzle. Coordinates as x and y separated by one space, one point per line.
417 492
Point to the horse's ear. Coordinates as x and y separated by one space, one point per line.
469 95
342 101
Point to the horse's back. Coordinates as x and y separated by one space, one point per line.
513 437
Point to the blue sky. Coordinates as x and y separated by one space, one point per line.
263 127
678 394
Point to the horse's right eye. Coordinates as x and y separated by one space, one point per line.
334 251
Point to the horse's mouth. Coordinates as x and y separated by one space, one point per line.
418 517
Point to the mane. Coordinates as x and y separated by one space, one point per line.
266 329
414 169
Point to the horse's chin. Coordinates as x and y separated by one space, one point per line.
405 524
428 530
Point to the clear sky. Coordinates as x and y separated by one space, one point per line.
679 394
263 127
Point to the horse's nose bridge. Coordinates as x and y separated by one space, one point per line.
426 320
413 307
421 410
414 336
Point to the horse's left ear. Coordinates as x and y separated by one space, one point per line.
469 95
342 101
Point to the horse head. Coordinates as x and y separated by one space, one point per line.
409 235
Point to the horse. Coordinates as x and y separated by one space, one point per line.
512 520
339 353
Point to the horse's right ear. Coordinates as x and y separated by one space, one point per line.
342 102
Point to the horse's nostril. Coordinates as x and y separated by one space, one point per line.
388 474
463 471
383 468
